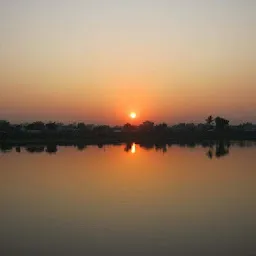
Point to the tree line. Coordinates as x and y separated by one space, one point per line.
212 127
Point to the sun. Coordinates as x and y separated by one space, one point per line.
133 115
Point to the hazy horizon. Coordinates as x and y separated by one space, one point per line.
96 61
133 122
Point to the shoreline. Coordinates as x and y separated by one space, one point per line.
118 141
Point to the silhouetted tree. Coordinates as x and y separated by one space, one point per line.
181 127
101 130
3 135
246 127
52 126
4 125
160 128
147 126
129 128
190 127
221 123
38 125
81 126
209 120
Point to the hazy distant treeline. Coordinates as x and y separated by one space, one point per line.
211 128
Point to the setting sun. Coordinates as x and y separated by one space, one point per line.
133 115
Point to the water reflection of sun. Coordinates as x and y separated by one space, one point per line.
133 148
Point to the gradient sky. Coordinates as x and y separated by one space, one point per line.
97 60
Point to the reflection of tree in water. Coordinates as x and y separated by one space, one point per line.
147 146
35 149
100 145
5 148
128 147
161 147
81 146
243 144
207 144
182 144
210 153
51 149
215 148
221 149
191 144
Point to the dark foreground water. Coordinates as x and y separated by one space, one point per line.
129 200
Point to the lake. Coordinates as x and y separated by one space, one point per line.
129 200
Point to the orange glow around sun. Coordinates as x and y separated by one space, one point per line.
133 115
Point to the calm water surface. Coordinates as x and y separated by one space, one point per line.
128 200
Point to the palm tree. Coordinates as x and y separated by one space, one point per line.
209 120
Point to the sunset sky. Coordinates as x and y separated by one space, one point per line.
98 60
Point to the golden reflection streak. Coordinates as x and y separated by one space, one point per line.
133 149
